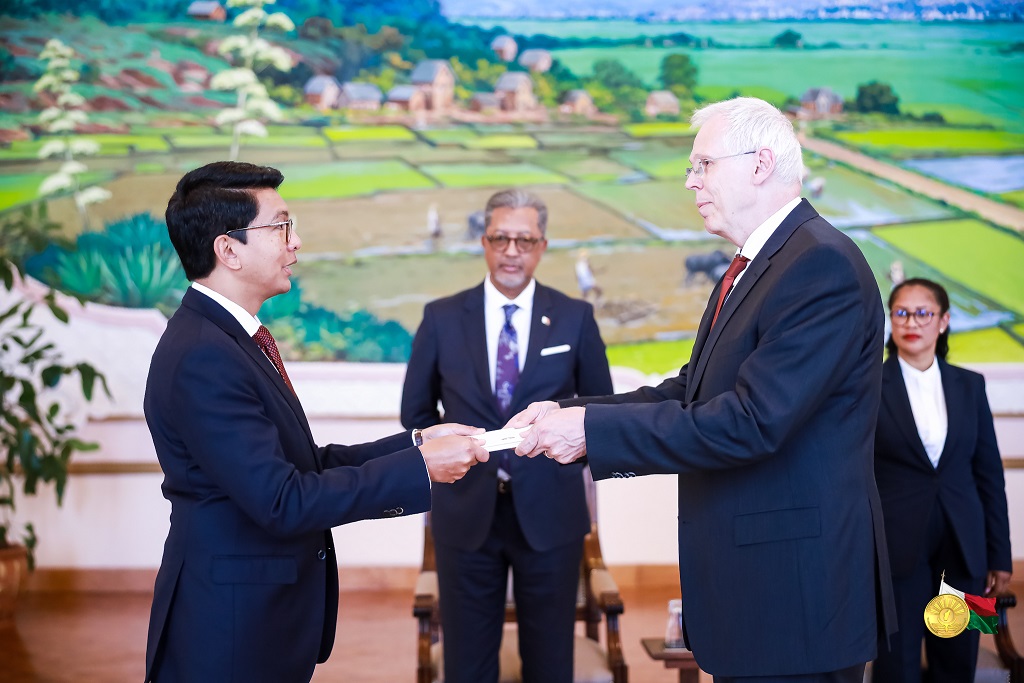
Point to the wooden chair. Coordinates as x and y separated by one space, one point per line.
995 666
597 600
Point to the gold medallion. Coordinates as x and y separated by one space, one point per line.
946 615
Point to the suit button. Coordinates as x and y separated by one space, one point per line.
630 474
322 554
400 511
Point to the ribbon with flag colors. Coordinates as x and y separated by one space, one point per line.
983 610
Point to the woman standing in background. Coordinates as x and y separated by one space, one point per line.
940 477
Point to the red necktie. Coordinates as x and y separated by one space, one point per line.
735 268
266 342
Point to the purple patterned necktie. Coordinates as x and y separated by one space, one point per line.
506 366
506 374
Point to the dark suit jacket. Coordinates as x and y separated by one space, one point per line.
967 484
449 363
770 426
248 584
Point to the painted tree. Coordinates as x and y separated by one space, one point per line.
61 119
877 97
679 74
251 54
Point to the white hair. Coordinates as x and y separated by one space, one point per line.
755 124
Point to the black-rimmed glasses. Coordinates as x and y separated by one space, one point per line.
287 226
701 165
500 242
901 316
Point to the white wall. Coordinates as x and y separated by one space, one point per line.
120 520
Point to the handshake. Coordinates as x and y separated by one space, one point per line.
450 449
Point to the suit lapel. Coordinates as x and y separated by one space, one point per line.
538 340
474 331
707 336
699 342
896 398
750 277
217 314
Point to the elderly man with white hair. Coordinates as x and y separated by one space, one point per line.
769 426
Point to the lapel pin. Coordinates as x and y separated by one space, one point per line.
544 320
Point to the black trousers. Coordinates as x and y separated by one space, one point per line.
950 660
473 587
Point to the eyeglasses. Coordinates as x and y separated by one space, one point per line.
701 165
287 226
901 316
524 245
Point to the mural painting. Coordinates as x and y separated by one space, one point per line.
394 121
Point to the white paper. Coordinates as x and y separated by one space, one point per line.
500 439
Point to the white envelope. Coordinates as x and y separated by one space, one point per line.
552 350
500 439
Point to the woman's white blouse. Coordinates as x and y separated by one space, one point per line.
929 406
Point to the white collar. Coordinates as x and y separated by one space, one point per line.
763 232
495 299
929 374
249 323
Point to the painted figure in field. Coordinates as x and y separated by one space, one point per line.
585 279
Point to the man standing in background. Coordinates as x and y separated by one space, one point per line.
486 353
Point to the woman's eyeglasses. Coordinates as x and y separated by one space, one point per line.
902 316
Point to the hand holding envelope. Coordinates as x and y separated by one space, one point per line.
448 452
502 439
556 432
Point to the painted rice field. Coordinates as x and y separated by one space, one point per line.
367 188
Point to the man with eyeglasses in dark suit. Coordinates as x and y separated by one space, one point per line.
783 565
485 354
248 584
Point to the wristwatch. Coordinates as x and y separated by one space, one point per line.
417 437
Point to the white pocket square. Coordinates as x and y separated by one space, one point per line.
552 350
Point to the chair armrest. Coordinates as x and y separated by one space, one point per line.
606 591
427 591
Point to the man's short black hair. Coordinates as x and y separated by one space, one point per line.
210 201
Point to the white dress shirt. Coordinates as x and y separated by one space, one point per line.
762 233
928 403
250 323
494 320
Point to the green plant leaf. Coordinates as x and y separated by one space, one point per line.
88 374
29 462
51 375
13 310
58 312
27 400
79 445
